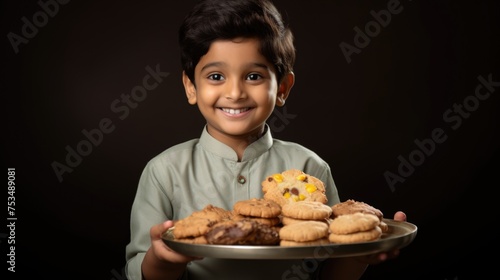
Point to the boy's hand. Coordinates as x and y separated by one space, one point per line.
380 257
161 262
161 250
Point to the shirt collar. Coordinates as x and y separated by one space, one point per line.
254 150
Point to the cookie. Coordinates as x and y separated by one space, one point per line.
192 226
293 185
287 220
267 221
384 226
212 213
361 236
307 210
266 235
351 223
352 206
243 232
318 242
304 231
260 208
199 222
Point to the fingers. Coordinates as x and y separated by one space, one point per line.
378 258
387 255
157 230
373 259
400 216
161 250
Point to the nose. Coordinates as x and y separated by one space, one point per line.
235 91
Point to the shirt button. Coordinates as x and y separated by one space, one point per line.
242 180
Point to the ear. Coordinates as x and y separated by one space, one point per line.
190 88
285 86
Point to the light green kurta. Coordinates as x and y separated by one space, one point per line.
193 174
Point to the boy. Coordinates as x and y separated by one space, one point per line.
237 59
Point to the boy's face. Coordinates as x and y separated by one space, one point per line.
236 89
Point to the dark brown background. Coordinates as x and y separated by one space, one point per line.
359 116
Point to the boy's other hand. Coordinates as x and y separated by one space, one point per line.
380 257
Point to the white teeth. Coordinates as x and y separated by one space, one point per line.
234 111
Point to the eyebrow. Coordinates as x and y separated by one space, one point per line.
219 63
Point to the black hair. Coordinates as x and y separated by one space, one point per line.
212 20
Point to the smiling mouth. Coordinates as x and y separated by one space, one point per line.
234 111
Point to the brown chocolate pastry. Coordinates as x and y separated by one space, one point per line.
266 235
242 232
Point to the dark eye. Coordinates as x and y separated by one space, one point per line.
253 77
216 77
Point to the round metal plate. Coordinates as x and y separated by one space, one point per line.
399 235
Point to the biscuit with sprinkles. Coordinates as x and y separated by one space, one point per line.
293 185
